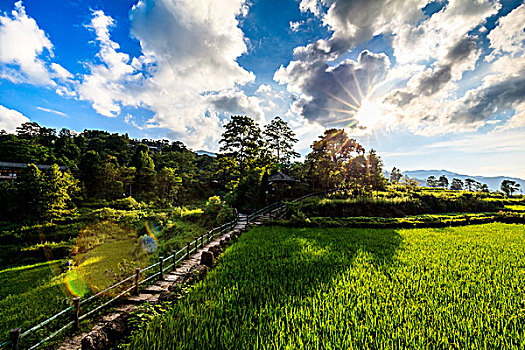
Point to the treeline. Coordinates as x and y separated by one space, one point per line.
456 184
103 168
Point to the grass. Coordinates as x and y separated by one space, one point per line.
516 207
311 288
108 263
30 294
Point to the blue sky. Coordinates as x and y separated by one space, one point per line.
428 84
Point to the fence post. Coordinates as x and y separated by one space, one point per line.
161 265
14 335
208 237
188 250
202 241
196 244
137 275
76 307
174 258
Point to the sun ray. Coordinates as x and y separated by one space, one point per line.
357 84
343 145
346 103
358 103
347 111
369 87
341 120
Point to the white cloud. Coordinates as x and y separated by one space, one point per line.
49 110
189 58
10 119
432 54
22 43
235 102
294 26
434 36
60 72
328 94
508 36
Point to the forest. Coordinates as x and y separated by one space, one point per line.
96 168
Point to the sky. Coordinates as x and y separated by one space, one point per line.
428 84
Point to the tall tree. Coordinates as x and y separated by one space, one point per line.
469 184
280 140
242 142
145 170
456 185
395 175
509 187
111 185
432 181
443 181
31 188
90 172
59 189
167 185
375 179
329 162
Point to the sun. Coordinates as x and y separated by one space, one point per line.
369 115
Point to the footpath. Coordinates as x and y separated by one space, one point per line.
113 326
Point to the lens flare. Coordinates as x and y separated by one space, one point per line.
76 283
150 242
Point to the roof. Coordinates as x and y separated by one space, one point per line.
280 177
24 165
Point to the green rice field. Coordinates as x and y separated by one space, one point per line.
342 288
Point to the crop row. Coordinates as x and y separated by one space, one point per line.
312 288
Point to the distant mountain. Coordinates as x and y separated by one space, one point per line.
493 182
201 152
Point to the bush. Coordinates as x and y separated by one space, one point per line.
217 212
128 203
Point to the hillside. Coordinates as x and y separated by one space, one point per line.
493 182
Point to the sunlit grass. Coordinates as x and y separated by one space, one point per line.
100 266
288 288
516 207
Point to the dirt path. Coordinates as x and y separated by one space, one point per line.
110 326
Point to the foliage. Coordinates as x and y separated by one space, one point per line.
354 288
509 187
280 140
395 175
456 184
419 221
336 161
241 143
217 212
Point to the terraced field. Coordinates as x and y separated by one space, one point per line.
279 288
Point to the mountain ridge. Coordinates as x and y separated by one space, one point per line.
493 182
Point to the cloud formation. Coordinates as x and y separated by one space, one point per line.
187 73
22 45
10 119
425 89
328 93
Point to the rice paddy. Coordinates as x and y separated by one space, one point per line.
341 288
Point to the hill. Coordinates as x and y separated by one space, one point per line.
493 182
202 152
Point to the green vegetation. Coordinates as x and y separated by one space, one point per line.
421 221
355 289
30 294
516 207
109 203
412 204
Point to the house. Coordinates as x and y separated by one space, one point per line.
10 170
